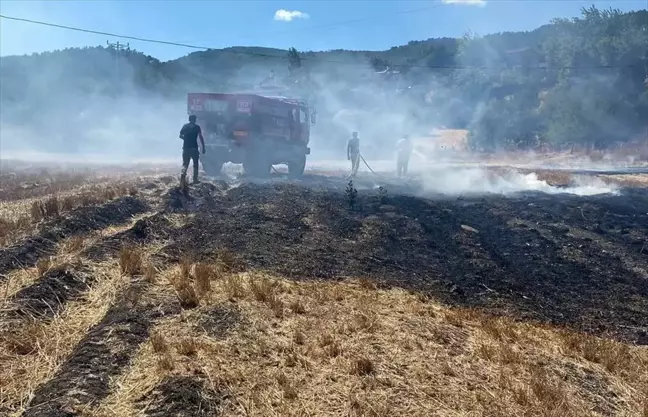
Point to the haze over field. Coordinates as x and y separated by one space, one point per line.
574 83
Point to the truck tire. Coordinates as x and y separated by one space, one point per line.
212 166
297 166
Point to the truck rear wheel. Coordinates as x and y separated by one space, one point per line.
297 166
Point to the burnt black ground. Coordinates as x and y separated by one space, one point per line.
562 259
178 396
217 321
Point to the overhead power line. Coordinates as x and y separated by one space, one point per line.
262 55
96 32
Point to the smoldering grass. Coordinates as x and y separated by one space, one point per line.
52 205
150 272
363 367
185 291
165 363
297 307
187 346
289 390
43 265
158 342
234 287
130 260
204 275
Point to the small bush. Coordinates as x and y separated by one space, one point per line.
165 363
70 202
351 195
299 337
228 261
74 244
37 211
185 291
52 207
290 393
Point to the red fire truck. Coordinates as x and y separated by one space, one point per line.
255 130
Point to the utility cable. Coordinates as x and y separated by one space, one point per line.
257 54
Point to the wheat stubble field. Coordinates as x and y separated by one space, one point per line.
123 295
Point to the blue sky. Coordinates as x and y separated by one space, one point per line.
305 25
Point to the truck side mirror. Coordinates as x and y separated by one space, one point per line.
313 117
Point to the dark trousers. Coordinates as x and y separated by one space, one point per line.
355 162
401 165
190 155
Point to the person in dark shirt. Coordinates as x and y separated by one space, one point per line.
190 133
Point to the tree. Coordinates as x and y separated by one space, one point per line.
294 60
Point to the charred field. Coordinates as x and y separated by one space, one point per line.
129 296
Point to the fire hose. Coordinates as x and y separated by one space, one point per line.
368 166
365 162
353 173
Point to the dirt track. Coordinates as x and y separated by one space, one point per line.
579 262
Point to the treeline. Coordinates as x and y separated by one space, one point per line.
573 82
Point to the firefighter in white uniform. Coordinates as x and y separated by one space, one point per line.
404 149
353 152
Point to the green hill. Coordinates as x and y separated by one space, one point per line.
580 81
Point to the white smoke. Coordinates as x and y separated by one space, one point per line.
475 181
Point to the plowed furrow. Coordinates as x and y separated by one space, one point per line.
48 296
81 220
68 281
144 231
84 378
31 349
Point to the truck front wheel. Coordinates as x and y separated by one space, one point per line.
296 167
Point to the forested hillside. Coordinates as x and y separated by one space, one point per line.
582 81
